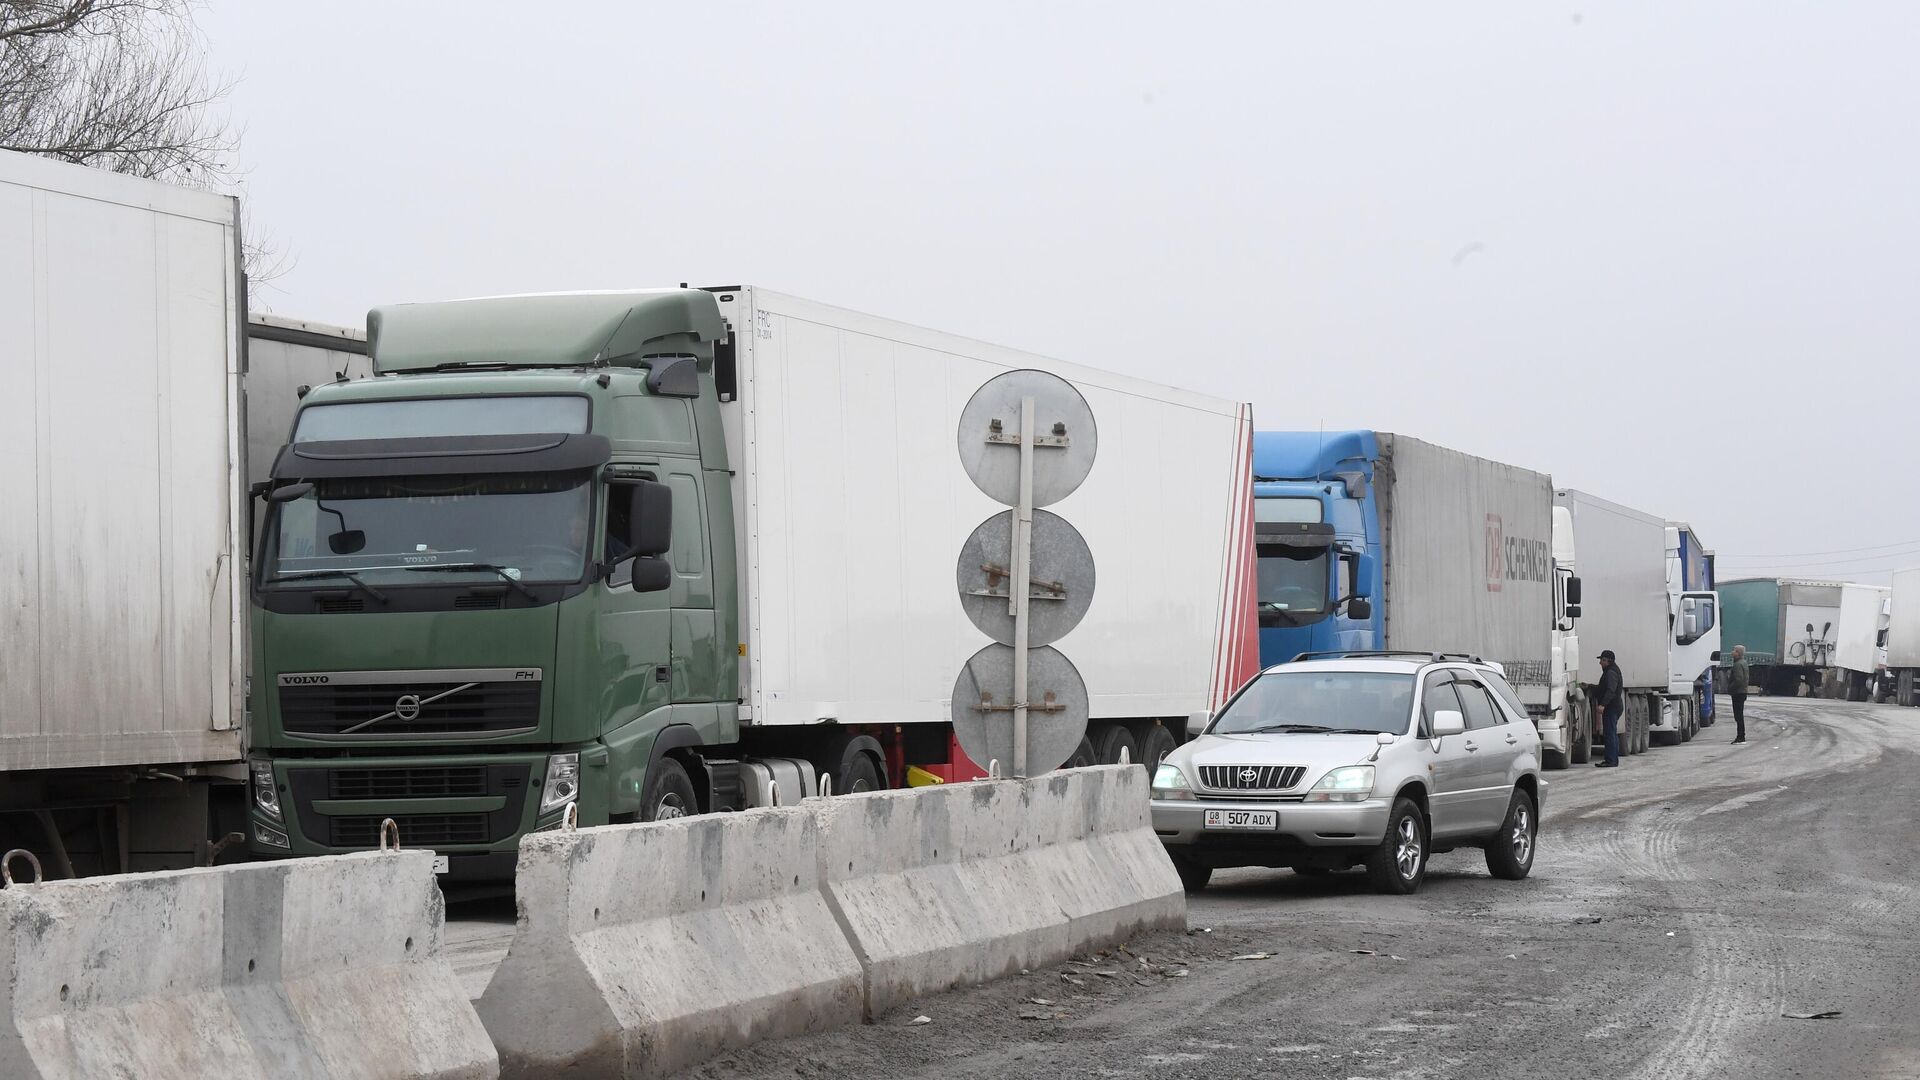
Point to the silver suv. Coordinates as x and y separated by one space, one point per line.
1362 758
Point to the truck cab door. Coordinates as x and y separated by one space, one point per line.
694 648
1696 638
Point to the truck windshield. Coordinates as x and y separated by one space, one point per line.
1292 586
386 530
1309 701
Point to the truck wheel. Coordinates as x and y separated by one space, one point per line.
1155 747
1510 852
669 794
1082 755
853 763
1581 741
1554 759
1193 876
1399 863
1108 743
1903 688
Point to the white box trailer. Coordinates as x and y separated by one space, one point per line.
122 603
855 506
1634 602
1468 562
1903 636
1858 642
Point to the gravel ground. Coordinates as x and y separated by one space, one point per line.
1678 907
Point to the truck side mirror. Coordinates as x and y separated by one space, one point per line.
1573 596
1359 608
650 524
1448 722
1363 574
1197 724
652 575
1573 611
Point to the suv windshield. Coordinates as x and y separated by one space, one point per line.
1358 701
387 530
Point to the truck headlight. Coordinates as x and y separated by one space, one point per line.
1170 783
1351 784
266 796
563 782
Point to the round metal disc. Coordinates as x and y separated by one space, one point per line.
1060 586
983 716
1058 412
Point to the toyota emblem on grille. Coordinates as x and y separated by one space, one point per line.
1249 776
408 707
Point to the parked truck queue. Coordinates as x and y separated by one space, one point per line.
485 565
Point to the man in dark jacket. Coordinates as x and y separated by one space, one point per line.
1611 701
1737 683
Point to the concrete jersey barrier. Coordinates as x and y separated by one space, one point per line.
326 968
948 886
642 949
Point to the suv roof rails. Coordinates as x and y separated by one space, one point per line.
1361 654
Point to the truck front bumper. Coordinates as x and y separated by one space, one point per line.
471 808
1182 824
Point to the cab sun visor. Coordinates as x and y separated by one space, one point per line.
441 455
1309 534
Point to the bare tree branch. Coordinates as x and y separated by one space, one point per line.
117 85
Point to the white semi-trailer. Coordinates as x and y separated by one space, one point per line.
1903 637
1634 601
122 549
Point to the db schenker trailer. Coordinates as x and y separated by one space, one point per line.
643 554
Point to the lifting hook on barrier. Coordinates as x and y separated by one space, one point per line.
6 865
826 785
773 793
570 820
993 769
1126 756
389 830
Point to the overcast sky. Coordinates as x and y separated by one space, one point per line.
1664 252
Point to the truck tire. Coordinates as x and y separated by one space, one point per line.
1082 755
853 762
1193 876
1510 852
1903 688
1555 760
669 793
1399 863
1582 738
1109 741
1155 747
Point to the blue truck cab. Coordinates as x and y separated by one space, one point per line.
1316 528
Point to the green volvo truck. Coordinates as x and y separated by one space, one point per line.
644 554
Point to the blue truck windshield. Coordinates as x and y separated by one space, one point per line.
1330 700
535 527
1292 584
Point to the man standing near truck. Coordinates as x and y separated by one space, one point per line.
1610 700
1737 686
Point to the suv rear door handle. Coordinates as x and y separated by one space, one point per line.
1511 740
1471 748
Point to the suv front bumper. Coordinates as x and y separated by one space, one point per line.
1182 823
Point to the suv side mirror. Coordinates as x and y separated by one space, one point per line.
1448 722
1197 723
650 526
1359 608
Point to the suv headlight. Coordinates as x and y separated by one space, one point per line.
1170 783
266 795
563 782
1351 784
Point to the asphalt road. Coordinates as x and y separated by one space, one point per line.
1678 907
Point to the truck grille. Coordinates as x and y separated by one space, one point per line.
438 708
410 783
416 830
1250 777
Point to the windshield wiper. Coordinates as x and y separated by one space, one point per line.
1282 727
498 571
305 575
1353 731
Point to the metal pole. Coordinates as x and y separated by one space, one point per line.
1021 586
